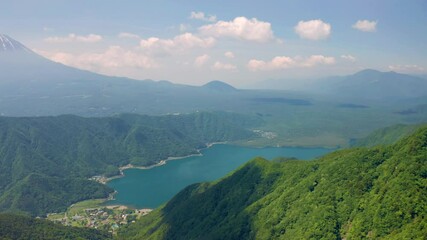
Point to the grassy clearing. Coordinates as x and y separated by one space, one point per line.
81 206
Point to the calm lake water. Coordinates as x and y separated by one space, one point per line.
152 187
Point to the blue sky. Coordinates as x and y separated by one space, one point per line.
240 42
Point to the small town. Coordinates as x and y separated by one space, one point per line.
108 218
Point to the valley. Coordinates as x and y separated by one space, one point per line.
345 194
304 118
46 162
201 120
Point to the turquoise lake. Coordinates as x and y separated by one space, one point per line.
149 188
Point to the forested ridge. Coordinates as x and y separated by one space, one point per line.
45 162
374 193
15 227
387 135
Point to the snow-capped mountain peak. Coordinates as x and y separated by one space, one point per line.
8 44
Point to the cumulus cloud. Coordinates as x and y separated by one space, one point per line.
224 66
240 28
348 57
179 43
128 35
313 29
281 62
365 26
91 38
113 57
284 62
202 16
407 68
315 60
201 60
229 54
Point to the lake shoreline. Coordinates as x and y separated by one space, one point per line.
222 148
105 180
152 188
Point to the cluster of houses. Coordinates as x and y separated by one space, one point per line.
107 218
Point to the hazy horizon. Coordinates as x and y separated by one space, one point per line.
196 42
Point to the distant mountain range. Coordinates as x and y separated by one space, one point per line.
366 85
373 85
33 85
219 86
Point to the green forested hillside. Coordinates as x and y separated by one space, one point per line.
45 161
373 193
16 227
39 194
386 136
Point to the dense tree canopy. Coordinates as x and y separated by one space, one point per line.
15 227
378 192
45 161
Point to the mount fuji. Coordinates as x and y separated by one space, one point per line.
8 44
21 66
31 85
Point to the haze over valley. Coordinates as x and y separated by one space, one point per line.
191 120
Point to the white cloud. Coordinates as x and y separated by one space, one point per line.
313 29
202 16
348 57
91 38
240 28
407 68
284 62
365 26
315 60
276 63
229 54
178 43
201 60
113 57
128 35
224 66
